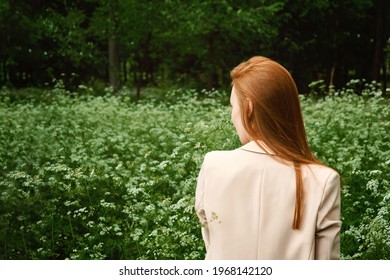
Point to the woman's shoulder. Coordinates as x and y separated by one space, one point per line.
219 155
250 147
224 157
324 175
322 169
231 160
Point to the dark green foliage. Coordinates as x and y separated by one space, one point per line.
189 43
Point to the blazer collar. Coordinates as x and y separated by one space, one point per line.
252 146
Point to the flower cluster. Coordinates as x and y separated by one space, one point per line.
103 177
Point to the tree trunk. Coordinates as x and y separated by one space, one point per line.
212 75
138 93
137 83
4 72
331 76
334 26
114 65
113 53
125 71
380 7
384 86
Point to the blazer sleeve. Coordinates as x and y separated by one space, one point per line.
199 206
328 221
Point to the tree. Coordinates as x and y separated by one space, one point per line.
113 52
326 39
189 43
19 46
66 43
143 29
131 28
381 34
210 37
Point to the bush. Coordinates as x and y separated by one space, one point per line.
107 178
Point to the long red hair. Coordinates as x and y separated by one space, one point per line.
274 116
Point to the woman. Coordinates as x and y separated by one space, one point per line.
271 198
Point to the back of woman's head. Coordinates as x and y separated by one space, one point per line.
271 112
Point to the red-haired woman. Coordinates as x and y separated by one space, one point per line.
271 198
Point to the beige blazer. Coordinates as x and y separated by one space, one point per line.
245 201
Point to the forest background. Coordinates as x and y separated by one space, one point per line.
107 108
189 43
